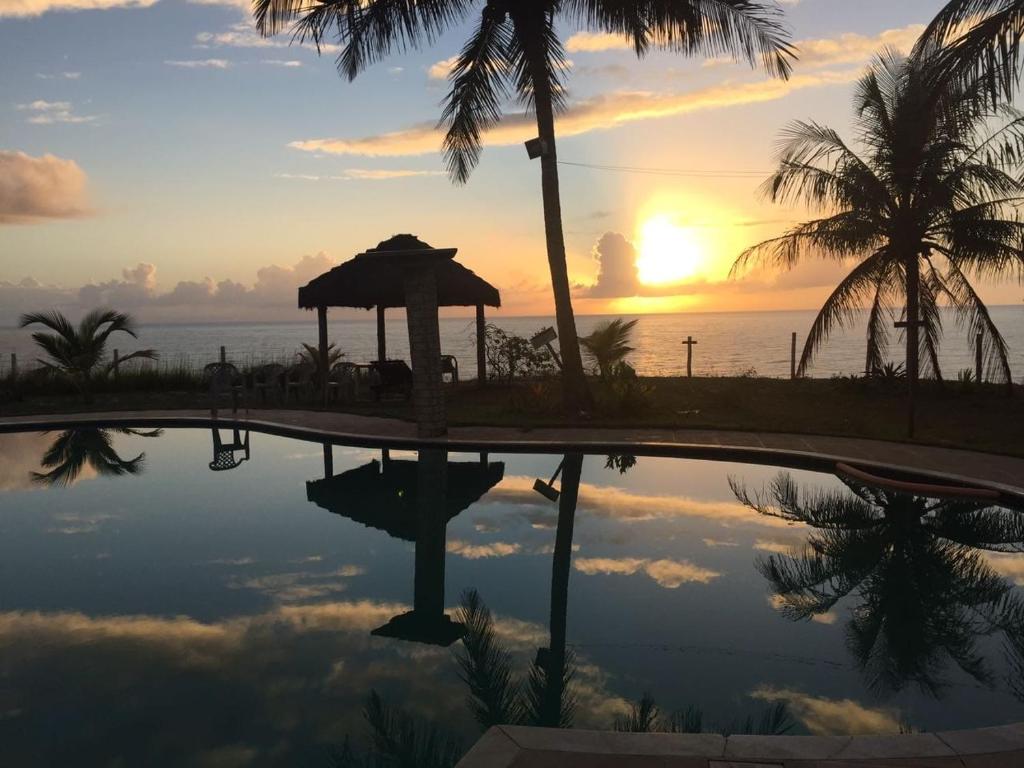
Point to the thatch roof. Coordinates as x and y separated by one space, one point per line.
386 500
374 278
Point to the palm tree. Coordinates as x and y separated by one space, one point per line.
979 39
928 202
80 353
75 448
925 593
515 49
609 344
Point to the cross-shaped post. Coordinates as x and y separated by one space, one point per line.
911 377
689 344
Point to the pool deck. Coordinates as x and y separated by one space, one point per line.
1003 473
514 746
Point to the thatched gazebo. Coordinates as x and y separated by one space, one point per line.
378 278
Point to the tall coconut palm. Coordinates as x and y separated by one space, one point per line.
515 49
979 39
924 593
928 202
80 353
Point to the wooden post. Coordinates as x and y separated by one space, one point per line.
382 340
979 372
117 364
689 344
481 347
223 355
792 357
321 322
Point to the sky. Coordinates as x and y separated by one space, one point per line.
159 156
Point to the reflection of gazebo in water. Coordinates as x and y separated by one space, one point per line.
404 272
413 501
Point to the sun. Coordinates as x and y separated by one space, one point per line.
667 252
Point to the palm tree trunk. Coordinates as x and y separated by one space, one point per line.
576 395
913 337
561 565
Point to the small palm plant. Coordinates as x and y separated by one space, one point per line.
608 345
79 354
310 355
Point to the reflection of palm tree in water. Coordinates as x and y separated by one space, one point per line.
74 449
926 592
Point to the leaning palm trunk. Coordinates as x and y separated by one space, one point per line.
575 392
913 337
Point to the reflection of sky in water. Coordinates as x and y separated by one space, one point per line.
182 616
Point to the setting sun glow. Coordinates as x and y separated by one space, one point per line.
667 252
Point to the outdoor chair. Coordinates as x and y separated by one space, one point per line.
450 368
268 380
298 380
390 377
224 453
224 380
342 383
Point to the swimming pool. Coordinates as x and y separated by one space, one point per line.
197 598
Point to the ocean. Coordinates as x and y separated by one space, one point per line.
728 343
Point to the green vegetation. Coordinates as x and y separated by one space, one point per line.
608 345
79 354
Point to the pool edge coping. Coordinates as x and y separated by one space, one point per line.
791 458
504 746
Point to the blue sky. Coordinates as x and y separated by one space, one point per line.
190 140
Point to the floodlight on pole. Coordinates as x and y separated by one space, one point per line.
536 148
547 489
544 339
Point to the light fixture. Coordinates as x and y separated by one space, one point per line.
536 148
547 489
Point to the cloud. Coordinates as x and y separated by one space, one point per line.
64 75
361 174
43 112
823 716
199 63
33 189
30 8
601 112
244 35
595 42
482 551
616 268
1010 566
287 63
442 69
670 574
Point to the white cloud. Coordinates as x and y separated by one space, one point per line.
244 35
482 551
595 42
598 113
289 63
442 69
64 75
360 174
38 188
42 112
199 63
30 8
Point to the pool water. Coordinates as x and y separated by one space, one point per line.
178 598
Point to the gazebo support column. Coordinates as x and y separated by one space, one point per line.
382 337
425 350
321 321
481 347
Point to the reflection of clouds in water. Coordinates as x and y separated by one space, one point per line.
77 523
300 585
839 717
20 456
778 603
272 684
714 543
670 574
622 505
1010 566
482 551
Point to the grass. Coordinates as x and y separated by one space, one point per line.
984 419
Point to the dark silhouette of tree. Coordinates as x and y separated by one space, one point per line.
924 593
515 50
928 203
74 449
78 353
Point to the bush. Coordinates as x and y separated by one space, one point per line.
623 394
510 356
